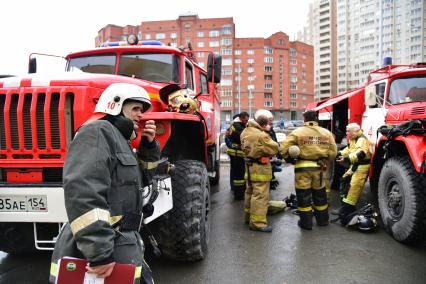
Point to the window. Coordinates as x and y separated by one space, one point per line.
226 51
173 44
173 35
268 77
267 104
203 84
160 36
293 79
200 44
226 61
226 103
147 36
268 68
293 96
214 33
237 52
267 95
293 104
226 72
187 27
267 50
280 42
226 41
226 30
226 93
200 34
214 44
250 51
250 60
293 86
268 59
200 54
201 64
293 69
268 85
226 82
250 69
292 52
189 79
237 60
293 62
251 78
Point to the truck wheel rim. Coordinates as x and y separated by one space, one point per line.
395 200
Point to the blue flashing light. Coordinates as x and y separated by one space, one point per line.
124 43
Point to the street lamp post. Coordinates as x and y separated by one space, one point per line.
239 87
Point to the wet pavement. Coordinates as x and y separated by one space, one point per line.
331 254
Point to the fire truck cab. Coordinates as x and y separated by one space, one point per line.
391 109
39 115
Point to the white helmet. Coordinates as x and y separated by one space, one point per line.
294 151
263 112
113 97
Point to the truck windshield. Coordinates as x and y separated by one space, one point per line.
152 67
406 90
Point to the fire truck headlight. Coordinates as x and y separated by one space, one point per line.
132 39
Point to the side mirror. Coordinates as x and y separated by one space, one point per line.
370 95
214 68
32 65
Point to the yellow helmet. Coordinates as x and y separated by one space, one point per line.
178 100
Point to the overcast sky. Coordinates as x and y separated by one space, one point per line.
59 27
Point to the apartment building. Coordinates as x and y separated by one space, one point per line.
272 73
370 30
320 31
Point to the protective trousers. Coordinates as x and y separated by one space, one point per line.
256 203
357 184
310 192
238 183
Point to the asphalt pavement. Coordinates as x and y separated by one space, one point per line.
331 254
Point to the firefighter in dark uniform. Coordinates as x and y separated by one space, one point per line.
258 148
357 154
102 185
236 155
316 146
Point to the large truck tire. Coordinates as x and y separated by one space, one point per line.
17 238
402 200
184 230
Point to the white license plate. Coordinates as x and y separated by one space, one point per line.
23 203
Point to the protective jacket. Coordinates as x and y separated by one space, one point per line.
315 143
233 135
358 154
256 143
103 198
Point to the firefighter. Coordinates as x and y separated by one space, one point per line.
258 147
276 166
236 155
102 183
357 154
316 146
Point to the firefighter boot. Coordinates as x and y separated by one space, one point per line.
265 229
305 221
344 211
321 217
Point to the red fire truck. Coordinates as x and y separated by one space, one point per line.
391 108
39 115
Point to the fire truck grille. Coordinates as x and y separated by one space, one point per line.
417 110
14 121
41 135
27 122
35 124
54 122
2 130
